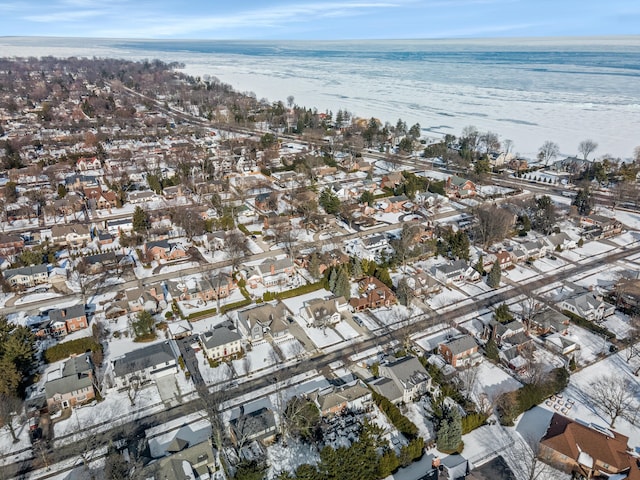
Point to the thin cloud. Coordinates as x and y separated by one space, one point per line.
267 18
66 16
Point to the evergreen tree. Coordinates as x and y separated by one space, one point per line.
329 201
314 265
443 437
480 265
493 279
343 286
491 350
356 268
367 197
404 292
333 278
62 190
583 201
455 427
388 464
382 274
144 324
140 220
503 314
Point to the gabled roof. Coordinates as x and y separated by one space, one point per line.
408 371
572 438
461 344
143 358
33 270
64 314
219 336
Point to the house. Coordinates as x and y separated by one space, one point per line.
503 257
547 321
11 244
598 226
74 235
452 272
271 271
104 238
458 187
321 312
391 180
423 284
163 250
149 298
26 277
217 286
266 319
84 164
587 450
69 205
72 384
221 342
373 294
145 364
259 425
141 197
74 318
461 351
354 396
120 226
560 344
403 380
99 199
78 182
376 244
397 204
588 305
561 241
534 249
100 262
185 461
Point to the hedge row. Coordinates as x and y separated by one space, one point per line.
301 290
72 347
202 313
233 306
584 323
402 423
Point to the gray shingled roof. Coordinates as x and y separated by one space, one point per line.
64 314
142 358
461 344
218 337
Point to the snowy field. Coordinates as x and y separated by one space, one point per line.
210 375
587 409
445 298
260 357
492 381
291 348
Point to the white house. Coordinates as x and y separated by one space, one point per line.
221 342
588 305
146 364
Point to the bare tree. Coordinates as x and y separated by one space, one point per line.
468 377
548 151
235 246
493 224
587 147
527 461
211 403
616 396
10 408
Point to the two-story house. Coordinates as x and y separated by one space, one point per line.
588 305
145 364
461 351
373 294
402 380
220 343
26 277
74 235
266 319
71 384
74 318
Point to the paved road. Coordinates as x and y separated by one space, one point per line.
322 360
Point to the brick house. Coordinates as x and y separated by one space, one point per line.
374 294
458 187
163 250
461 351
11 244
587 450
71 384
74 318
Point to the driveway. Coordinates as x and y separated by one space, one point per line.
189 357
168 388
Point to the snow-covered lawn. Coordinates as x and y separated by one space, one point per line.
546 264
492 381
475 289
287 458
195 305
519 273
115 409
291 348
261 356
321 337
619 324
396 315
445 298
345 330
587 409
177 267
6 441
416 413
591 345
210 375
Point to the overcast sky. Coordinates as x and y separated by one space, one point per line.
319 19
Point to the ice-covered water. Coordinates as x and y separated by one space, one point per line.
526 90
